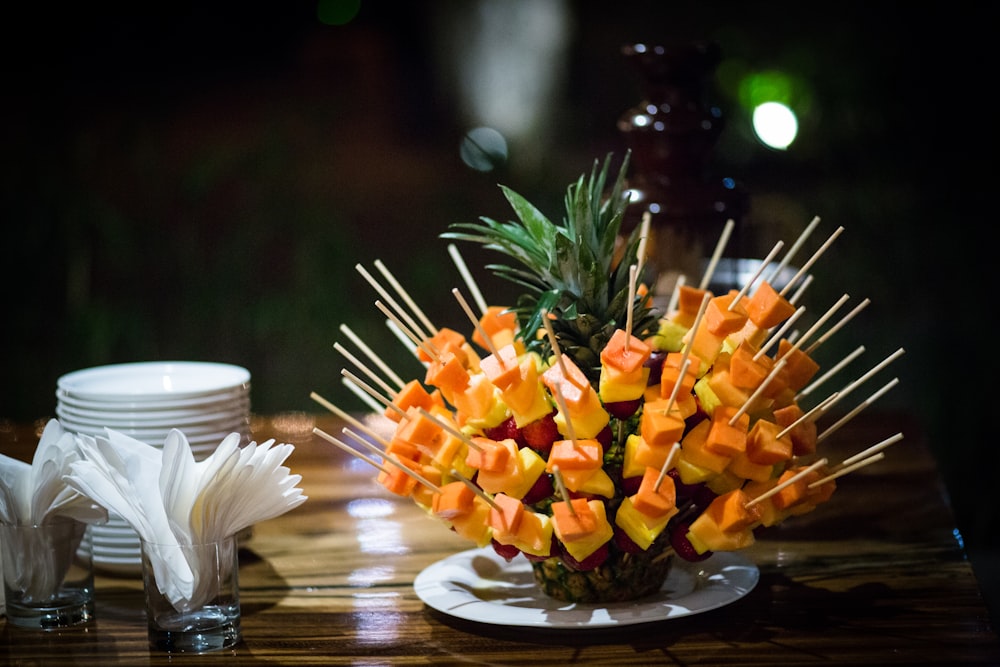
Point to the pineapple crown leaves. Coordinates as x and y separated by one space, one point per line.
574 270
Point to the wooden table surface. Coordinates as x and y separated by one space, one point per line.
876 576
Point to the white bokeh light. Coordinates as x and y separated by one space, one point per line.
775 124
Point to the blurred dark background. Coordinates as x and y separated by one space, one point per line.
198 180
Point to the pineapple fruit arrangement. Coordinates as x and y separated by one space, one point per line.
589 433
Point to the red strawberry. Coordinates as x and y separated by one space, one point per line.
590 562
540 490
623 409
541 433
507 551
504 430
626 543
682 546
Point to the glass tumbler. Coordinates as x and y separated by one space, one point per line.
48 574
192 595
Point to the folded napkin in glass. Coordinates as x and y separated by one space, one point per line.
36 494
171 499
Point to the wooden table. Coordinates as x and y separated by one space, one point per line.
877 576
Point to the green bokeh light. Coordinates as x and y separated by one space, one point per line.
337 12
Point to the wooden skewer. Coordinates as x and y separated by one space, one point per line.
856 411
794 249
345 416
394 461
676 294
411 324
806 416
371 391
463 270
836 368
794 299
373 405
776 336
350 450
671 455
759 390
476 323
632 272
851 468
697 323
417 340
805 267
788 482
819 323
836 327
640 259
561 486
374 358
367 371
405 296
861 380
450 428
720 245
891 440
760 269
685 362
475 489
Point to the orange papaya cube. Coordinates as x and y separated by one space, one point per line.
722 318
695 451
720 381
505 517
418 429
744 371
475 524
648 455
768 513
396 480
576 455
750 334
496 322
454 499
706 346
724 439
448 374
624 352
659 427
413 394
489 455
534 534
479 399
791 494
803 434
573 520
671 374
444 339
554 378
799 366
764 446
706 535
730 513
502 480
741 466
528 401
689 299
422 494
652 501
403 450
503 368
767 308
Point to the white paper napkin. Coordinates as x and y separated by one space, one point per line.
169 498
37 493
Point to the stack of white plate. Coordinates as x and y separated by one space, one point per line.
145 400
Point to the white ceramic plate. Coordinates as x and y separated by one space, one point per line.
172 379
479 585
150 404
196 414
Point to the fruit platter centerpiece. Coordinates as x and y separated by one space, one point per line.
590 434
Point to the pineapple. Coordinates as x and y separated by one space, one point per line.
575 271
578 272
